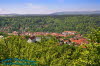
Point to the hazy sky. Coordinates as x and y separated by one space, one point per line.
47 6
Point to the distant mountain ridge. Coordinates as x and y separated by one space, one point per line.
76 13
22 14
56 13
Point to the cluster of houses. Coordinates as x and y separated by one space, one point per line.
63 34
77 39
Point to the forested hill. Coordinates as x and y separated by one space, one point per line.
82 24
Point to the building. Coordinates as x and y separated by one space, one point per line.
32 39
38 39
69 32
15 33
67 42
79 41
1 36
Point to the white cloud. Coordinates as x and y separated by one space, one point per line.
4 11
28 8
37 9
9 11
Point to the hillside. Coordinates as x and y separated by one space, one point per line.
82 24
52 50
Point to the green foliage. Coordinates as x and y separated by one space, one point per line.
3 34
82 24
95 35
48 53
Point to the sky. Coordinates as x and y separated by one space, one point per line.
47 6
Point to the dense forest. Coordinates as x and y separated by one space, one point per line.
80 23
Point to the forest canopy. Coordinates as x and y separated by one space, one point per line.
80 23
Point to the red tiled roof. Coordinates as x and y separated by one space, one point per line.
33 37
84 47
80 41
71 31
66 41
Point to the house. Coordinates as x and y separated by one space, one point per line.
15 33
69 32
32 39
10 34
1 36
61 35
61 42
79 41
54 34
67 42
38 39
38 33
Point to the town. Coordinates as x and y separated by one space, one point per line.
76 38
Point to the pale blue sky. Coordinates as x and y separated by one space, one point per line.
47 6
